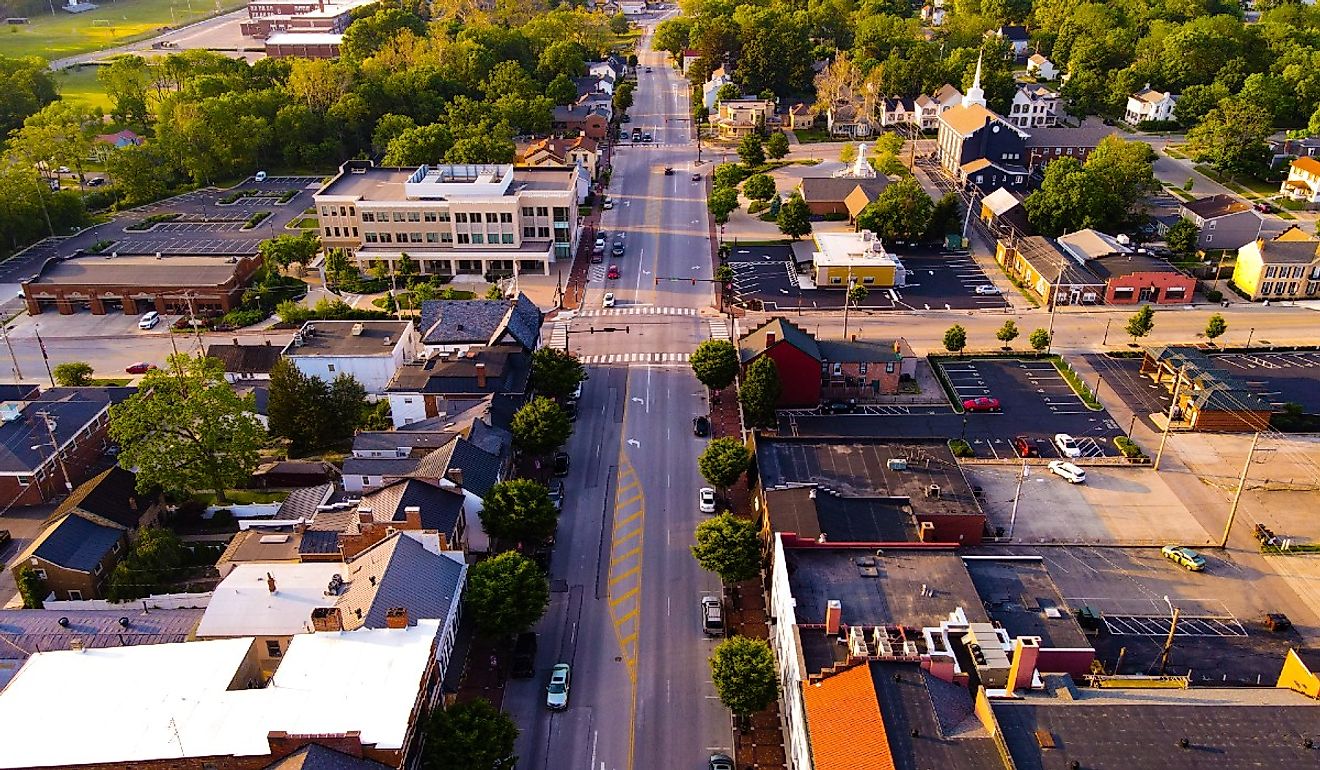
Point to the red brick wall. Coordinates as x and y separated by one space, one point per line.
875 372
798 372
1161 281
960 528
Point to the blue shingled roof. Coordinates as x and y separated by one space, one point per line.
78 544
481 322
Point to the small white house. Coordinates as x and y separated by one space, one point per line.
1034 106
1040 67
1149 105
371 351
711 88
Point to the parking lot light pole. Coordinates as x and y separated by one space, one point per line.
1250 333
1168 641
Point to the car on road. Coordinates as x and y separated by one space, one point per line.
63 170
648 69
96 181
141 367
524 655
600 242
149 319
720 762
613 272
1184 557
1068 471
1264 208
696 177
618 249
1067 445
608 204
669 171
987 288
707 496
556 691
597 257
608 301
557 494
561 463
1025 447
700 425
637 134
712 616
981 404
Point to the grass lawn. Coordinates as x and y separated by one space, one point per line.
79 84
114 23
1246 185
813 135
304 223
110 382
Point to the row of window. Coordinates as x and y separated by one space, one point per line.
344 211
345 231
1289 288
836 370
1291 271
447 237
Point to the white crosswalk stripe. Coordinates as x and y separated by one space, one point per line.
637 358
638 310
559 336
719 329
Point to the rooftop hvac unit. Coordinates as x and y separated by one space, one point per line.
933 491
897 464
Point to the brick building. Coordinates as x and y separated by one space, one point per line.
136 284
812 370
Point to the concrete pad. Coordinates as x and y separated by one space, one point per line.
1116 505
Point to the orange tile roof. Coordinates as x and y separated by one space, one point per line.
1307 164
843 719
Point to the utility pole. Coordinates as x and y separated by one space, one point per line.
847 301
4 332
55 447
1237 496
45 358
1168 641
1017 494
192 321
1177 385
1250 333
1105 341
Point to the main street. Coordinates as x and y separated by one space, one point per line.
626 590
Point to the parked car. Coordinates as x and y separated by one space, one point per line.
600 243
96 181
1068 471
608 204
561 463
141 367
148 319
618 249
646 137
700 425
524 655
597 257
707 497
1067 445
1184 557
637 134
1025 447
720 762
696 177
1264 208
608 301
556 691
669 171
63 170
260 177
987 288
837 407
712 616
648 69
557 494
981 404
613 272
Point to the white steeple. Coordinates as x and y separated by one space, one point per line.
975 94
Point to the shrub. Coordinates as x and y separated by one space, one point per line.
756 207
961 448
835 216
1215 295
235 195
1128 447
257 218
236 319
99 246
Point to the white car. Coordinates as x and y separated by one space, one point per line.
149 319
608 204
609 299
707 500
556 692
1067 445
600 243
986 288
260 176
1068 471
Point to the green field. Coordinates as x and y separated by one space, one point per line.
113 23
79 84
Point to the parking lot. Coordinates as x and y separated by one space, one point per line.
197 227
1036 402
935 280
1279 378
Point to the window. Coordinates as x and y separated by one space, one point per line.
1123 292
355 232
367 216
414 237
325 211
414 216
273 648
1312 287
41 573
1210 238
398 216
506 217
446 237
542 232
463 238
330 367
460 217
861 368
492 217
836 280
75 595
428 216
542 211
527 211
529 231
1270 272
433 237
444 216
836 370
1175 291
478 238
1297 271
506 237
401 237
327 232
24 480
1265 287
889 367
343 211
561 213
352 212
868 279
336 232
1292 287
386 238
1210 225
366 481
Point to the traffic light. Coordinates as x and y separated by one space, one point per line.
694 281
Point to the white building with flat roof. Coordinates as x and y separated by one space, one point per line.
371 351
855 258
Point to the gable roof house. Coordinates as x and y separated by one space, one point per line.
743 116
1284 268
849 118
581 151
1017 37
1034 106
812 370
582 118
1225 221
454 326
840 195
423 389
1303 182
461 461
1040 66
1003 211
1149 105
710 90
245 362
800 116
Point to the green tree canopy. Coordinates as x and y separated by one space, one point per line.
1008 332
955 339
724 461
32 588
310 412
728 546
155 559
519 511
73 374
752 151
759 187
901 212
556 373
715 363
743 670
1039 339
540 426
794 217
1215 327
776 146
1182 237
723 201
1232 137
857 294
284 250
760 391
470 734
506 594
1141 322
185 429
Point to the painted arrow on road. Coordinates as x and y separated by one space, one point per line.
638 400
634 442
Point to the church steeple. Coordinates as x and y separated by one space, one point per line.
975 94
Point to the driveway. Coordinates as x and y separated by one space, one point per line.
23 524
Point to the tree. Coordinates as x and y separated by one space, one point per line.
32 588
368 34
187 430
1232 137
729 174
728 546
900 212
724 461
519 511
794 218
955 339
1215 327
760 391
540 426
26 85
1007 333
727 92
154 560
506 594
561 90
1141 323
943 217
310 412
752 151
1182 237
857 294
723 201
418 145
127 82
623 97
715 363
284 250
140 174
777 145
556 373
672 36
759 187
73 374
743 670
619 24
1040 340
469 734
1065 199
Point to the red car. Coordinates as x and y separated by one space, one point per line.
141 367
613 272
981 404
1025 447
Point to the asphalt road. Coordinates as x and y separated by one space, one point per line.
624 611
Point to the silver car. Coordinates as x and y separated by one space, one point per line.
556 692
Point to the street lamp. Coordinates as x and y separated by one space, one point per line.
1250 333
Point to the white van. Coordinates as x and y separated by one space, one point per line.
149 319
260 177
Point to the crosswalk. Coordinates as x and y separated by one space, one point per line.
638 310
636 358
559 336
719 329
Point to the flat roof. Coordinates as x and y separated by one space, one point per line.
1052 263
140 270
852 249
305 38
809 514
893 596
1119 265
182 700
244 605
375 184
1018 592
336 338
23 632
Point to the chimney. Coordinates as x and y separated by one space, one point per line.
833 616
270 582
365 516
327 619
769 339
481 375
898 346
455 475
1026 649
396 617
413 515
